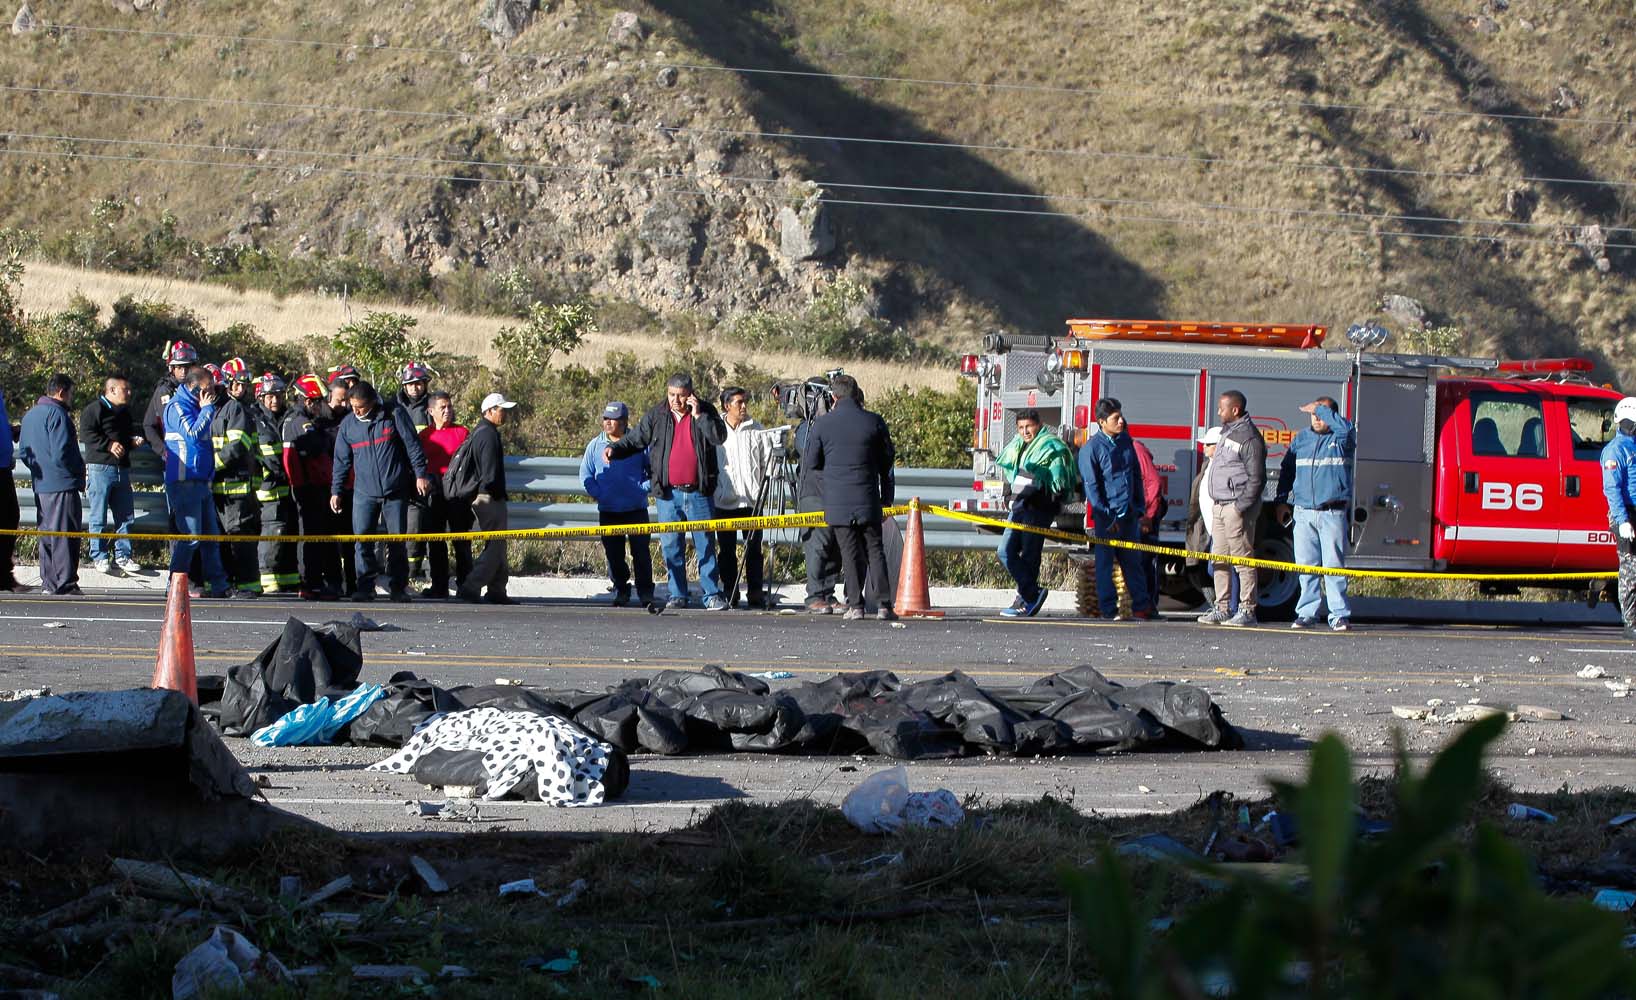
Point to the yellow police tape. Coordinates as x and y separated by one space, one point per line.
815 519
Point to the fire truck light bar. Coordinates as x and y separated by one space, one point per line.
1541 366
1247 334
968 364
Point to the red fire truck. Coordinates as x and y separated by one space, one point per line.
1470 464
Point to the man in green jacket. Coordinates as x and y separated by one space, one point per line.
1042 474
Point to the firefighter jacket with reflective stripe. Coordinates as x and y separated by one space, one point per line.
417 409
189 454
1619 477
238 452
275 485
1317 470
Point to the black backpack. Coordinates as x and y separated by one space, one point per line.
460 484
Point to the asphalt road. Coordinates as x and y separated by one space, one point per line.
1282 688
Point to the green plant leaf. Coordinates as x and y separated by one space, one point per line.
1328 822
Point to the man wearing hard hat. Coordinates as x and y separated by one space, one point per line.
1619 486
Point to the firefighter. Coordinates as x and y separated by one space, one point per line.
278 515
238 475
178 357
341 379
1619 486
306 459
413 398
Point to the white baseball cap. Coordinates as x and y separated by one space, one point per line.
1211 436
494 399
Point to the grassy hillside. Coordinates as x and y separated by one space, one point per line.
1262 109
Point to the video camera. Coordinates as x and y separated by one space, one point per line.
806 399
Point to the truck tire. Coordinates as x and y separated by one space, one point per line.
1276 590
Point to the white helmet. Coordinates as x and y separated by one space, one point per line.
1625 409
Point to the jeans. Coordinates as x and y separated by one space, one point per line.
688 505
1130 564
613 546
367 513
1020 550
108 491
1320 540
193 508
727 558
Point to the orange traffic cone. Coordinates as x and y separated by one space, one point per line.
175 669
914 599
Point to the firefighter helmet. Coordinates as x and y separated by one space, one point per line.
1625 409
309 387
415 371
215 372
180 353
236 370
270 385
338 372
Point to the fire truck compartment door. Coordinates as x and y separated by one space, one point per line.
1161 408
1510 490
1275 405
1392 473
1577 428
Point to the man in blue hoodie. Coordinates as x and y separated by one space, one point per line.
10 516
620 489
51 450
378 446
1316 478
190 464
1114 508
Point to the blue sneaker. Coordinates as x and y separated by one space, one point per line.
1037 603
1017 609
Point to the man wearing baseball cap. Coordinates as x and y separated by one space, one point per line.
488 455
620 489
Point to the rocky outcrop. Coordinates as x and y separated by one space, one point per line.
1594 241
803 230
506 19
626 31
25 22
1406 311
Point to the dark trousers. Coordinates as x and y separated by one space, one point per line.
613 546
368 514
440 515
10 517
1150 563
320 561
240 514
420 513
727 558
278 562
348 552
490 569
823 555
59 510
863 557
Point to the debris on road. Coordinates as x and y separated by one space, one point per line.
224 962
1411 712
521 887
773 675
882 803
1620 689
1616 900
24 694
1539 713
1592 672
454 810
429 876
55 625
1517 810
556 963
1474 713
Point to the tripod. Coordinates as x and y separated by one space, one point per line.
775 496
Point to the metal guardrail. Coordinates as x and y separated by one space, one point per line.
560 477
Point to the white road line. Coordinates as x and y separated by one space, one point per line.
1602 649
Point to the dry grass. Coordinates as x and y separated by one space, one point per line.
50 287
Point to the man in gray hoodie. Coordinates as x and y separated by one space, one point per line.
1238 474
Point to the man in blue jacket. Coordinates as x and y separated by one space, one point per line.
1619 487
1316 478
620 489
1114 508
381 450
190 464
51 450
10 516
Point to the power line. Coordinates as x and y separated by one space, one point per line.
1029 88
1106 217
740 179
806 137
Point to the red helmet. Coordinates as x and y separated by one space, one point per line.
415 371
309 387
180 353
215 371
236 370
338 372
270 384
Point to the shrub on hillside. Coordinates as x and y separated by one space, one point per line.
836 324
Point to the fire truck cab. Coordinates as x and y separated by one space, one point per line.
1461 463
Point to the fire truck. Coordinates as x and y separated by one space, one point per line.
1469 464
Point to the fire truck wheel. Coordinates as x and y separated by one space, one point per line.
1277 589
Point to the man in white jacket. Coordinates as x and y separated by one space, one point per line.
743 459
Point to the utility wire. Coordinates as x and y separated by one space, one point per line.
740 179
804 137
867 78
1105 217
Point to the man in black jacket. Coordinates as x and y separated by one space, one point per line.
379 448
279 570
488 456
853 449
233 434
108 433
414 396
681 435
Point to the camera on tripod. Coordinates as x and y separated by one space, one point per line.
806 399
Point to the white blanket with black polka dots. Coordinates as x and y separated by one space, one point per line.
567 763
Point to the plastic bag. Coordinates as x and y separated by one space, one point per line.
317 723
876 805
939 808
226 961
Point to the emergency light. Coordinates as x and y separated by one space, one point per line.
968 364
1073 360
1541 366
1082 417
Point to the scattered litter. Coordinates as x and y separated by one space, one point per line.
1539 713
1434 703
899 625
391 973
1477 679
364 624
1411 712
55 625
1282 825
509 681
1531 751
1617 900
636 982
225 962
328 891
428 875
521 887
1158 847
319 722
23 694
289 887
1145 790
1474 713
344 921
1536 659
1517 810
1621 819
557 963
1232 672
773 675
1620 689
575 889
875 864
454 810
882 803
928 809
1592 672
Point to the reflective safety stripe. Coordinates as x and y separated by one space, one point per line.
1320 461
231 488
276 493
273 581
